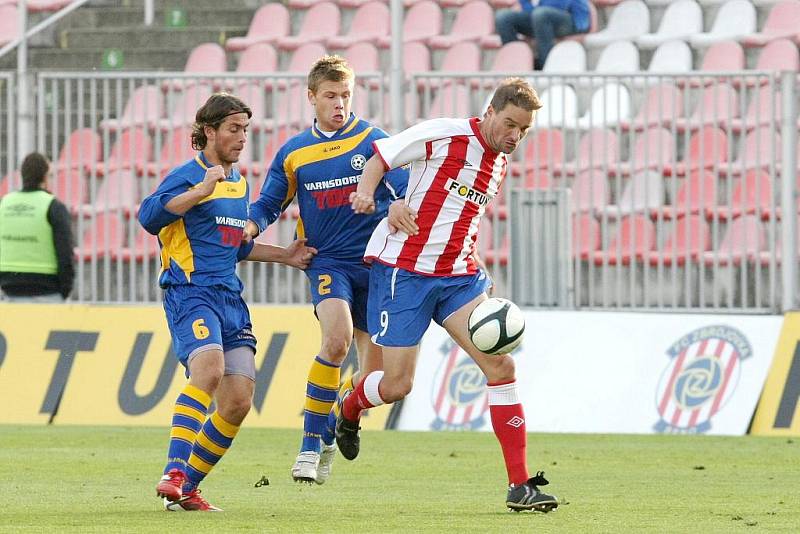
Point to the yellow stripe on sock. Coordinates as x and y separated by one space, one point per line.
199 464
317 406
347 384
197 394
189 411
323 375
225 428
183 433
205 442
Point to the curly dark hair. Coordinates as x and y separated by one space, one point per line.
213 113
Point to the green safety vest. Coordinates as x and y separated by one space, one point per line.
26 237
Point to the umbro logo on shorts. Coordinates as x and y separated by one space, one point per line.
516 421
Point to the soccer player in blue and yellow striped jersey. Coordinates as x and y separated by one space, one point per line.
321 166
198 212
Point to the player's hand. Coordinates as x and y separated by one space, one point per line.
362 203
402 217
213 176
299 255
249 232
482 266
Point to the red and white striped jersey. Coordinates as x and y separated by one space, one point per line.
454 174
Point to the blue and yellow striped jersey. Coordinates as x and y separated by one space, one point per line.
322 172
203 246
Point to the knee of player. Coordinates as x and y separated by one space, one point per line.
334 348
236 408
503 369
396 390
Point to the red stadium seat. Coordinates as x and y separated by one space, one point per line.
462 57
777 56
252 93
762 147
304 56
363 58
320 22
185 107
585 236
744 239
451 100
204 58
762 110
259 58
271 22
662 104
144 247
516 56
175 150
717 102
69 186
103 236
9 24
423 21
290 106
643 193
688 240
697 195
46 6
654 149
133 149
490 252
590 192
83 149
597 149
370 22
724 56
752 195
544 149
635 238
706 147
6 184
144 107
473 21
119 190
782 22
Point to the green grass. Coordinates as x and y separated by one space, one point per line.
92 479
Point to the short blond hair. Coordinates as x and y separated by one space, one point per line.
330 68
518 92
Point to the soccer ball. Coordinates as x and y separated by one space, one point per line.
496 326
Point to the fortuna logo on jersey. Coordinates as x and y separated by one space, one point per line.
466 192
459 391
702 375
358 161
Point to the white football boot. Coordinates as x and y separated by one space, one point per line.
305 467
325 464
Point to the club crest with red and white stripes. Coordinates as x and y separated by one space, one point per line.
702 375
459 391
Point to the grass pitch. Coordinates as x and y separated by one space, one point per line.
102 479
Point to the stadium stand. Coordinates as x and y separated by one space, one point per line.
681 20
629 19
735 19
371 21
422 21
145 106
321 22
782 22
271 22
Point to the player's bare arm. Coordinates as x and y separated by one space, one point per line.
363 199
296 255
402 217
186 201
249 232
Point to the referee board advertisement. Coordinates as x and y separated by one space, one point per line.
607 372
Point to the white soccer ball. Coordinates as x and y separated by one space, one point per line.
496 326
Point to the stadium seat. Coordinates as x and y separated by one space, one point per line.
716 103
653 149
662 104
144 107
516 56
423 21
560 107
782 22
274 141
776 56
303 57
688 240
590 192
252 93
619 57
6 182
119 190
259 58
451 100
763 109
706 147
682 19
697 195
566 57
204 58
721 56
597 149
461 57
351 4
83 149
416 58
734 20
609 106
271 22
593 25
102 236
133 149
370 22
9 24
363 57
144 247
46 6
629 19
176 149
544 149
290 106
585 236
185 107
69 186
489 251
745 238
762 147
752 195
643 193
473 21
320 22
634 239
671 57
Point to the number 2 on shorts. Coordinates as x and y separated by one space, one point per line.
324 282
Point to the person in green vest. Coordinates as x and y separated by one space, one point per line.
36 242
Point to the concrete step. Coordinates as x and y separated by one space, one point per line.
144 59
129 16
131 38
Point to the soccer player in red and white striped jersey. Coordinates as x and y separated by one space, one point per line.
423 266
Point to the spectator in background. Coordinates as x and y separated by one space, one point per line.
36 261
543 21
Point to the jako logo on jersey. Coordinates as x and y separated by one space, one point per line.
701 377
466 192
459 391
358 161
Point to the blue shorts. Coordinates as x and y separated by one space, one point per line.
341 280
200 316
402 303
